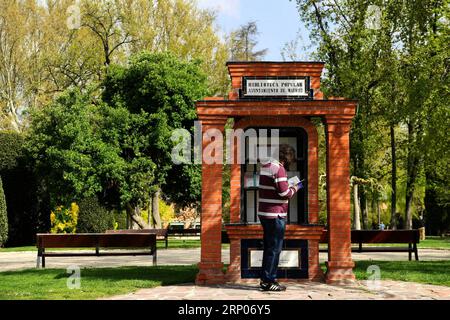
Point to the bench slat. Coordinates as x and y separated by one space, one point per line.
83 240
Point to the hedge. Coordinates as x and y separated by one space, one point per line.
3 216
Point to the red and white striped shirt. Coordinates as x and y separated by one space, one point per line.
274 191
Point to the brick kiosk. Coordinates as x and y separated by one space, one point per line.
290 114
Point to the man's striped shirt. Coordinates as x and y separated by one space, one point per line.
274 191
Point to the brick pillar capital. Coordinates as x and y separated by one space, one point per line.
338 126
213 121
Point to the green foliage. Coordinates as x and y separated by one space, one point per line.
398 71
81 147
165 89
11 150
65 145
27 208
64 220
166 211
93 217
3 216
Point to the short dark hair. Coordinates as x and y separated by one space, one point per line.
286 153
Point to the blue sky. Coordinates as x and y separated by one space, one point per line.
278 22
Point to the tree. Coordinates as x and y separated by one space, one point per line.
3 217
166 88
18 43
81 148
243 42
351 54
27 210
106 20
395 69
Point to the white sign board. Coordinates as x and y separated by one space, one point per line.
276 87
288 259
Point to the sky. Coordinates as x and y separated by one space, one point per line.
277 20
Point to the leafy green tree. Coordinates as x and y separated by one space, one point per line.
82 148
166 89
3 217
27 210
398 70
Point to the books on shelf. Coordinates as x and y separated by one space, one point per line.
251 180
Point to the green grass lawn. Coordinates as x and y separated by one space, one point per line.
51 284
103 282
431 272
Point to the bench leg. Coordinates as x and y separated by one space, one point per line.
39 258
409 251
416 253
154 255
167 242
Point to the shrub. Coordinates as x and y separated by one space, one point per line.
11 150
93 217
64 220
28 203
3 216
166 211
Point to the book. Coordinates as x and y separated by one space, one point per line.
293 181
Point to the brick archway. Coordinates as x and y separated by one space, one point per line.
313 157
292 231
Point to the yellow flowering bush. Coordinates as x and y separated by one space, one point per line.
64 220
166 212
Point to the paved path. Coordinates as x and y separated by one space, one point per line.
360 290
23 260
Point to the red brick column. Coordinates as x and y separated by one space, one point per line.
210 266
340 263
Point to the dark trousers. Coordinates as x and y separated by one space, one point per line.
273 243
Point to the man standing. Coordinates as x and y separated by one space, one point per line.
274 194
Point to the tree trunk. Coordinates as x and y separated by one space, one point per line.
149 216
357 209
412 171
378 211
364 211
155 210
393 181
135 217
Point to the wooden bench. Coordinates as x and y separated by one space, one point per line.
411 237
161 234
184 232
97 241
